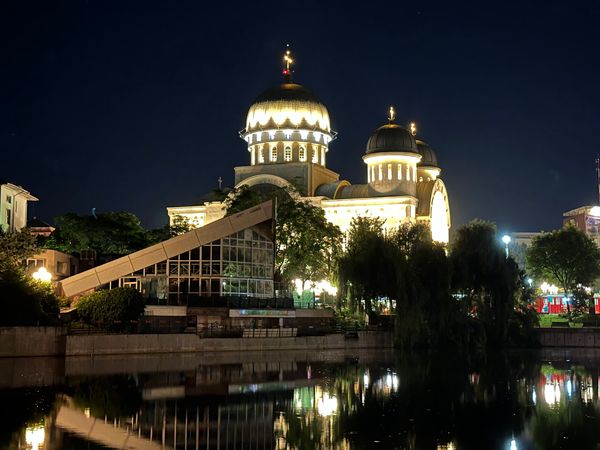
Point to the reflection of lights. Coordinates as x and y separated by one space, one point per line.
366 378
42 275
86 412
448 446
569 388
387 384
552 393
534 397
34 436
513 445
326 406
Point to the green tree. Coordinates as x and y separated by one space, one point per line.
111 233
306 243
487 282
566 257
179 226
16 247
113 309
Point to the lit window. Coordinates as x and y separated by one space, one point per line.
274 153
414 173
399 171
252 156
389 171
372 173
368 175
287 153
261 155
380 173
302 154
323 156
315 155
407 173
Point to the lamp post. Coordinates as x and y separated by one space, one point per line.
506 239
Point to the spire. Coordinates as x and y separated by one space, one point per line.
413 128
288 61
392 114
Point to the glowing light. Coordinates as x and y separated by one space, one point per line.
326 405
42 275
35 436
506 239
549 288
292 111
405 157
392 114
439 219
552 394
595 211
317 136
287 59
366 378
303 134
413 128
513 445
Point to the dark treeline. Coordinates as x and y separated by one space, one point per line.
470 296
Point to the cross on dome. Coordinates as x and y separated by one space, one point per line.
392 114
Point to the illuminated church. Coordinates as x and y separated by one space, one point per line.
288 133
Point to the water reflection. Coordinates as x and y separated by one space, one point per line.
332 401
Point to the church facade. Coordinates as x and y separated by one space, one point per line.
288 134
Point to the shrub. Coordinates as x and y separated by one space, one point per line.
112 310
24 301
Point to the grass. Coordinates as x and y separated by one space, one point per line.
547 319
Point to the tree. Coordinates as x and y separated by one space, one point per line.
566 257
179 226
113 309
306 243
16 247
487 282
111 233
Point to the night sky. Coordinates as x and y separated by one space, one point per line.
136 106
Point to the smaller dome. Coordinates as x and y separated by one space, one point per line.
428 155
392 138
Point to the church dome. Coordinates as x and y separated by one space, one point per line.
392 137
288 105
427 153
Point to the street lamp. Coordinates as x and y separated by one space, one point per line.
42 275
506 239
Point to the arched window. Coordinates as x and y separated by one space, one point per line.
302 154
274 153
287 153
389 171
380 172
407 172
315 154
399 171
261 155
414 173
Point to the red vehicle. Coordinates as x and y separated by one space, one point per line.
557 304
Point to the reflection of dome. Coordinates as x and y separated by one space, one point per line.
391 138
429 159
288 105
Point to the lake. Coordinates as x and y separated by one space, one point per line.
544 399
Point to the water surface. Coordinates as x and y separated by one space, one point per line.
302 400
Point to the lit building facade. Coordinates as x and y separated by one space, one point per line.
13 206
586 219
288 134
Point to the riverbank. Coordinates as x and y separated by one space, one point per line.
54 341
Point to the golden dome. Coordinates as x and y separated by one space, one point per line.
288 105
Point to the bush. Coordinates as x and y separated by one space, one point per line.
112 310
26 302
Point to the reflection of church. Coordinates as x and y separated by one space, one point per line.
288 133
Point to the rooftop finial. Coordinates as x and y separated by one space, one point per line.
413 128
287 59
392 114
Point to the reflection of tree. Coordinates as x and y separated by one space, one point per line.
114 396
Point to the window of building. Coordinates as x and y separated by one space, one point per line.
322 156
287 154
407 173
274 154
315 155
414 173
261 155
62 267
302 154
399 171
8 199
8 217
380 173
389 171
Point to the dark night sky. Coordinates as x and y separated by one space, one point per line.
136 106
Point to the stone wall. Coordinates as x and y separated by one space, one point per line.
114 344
32 341
569 337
